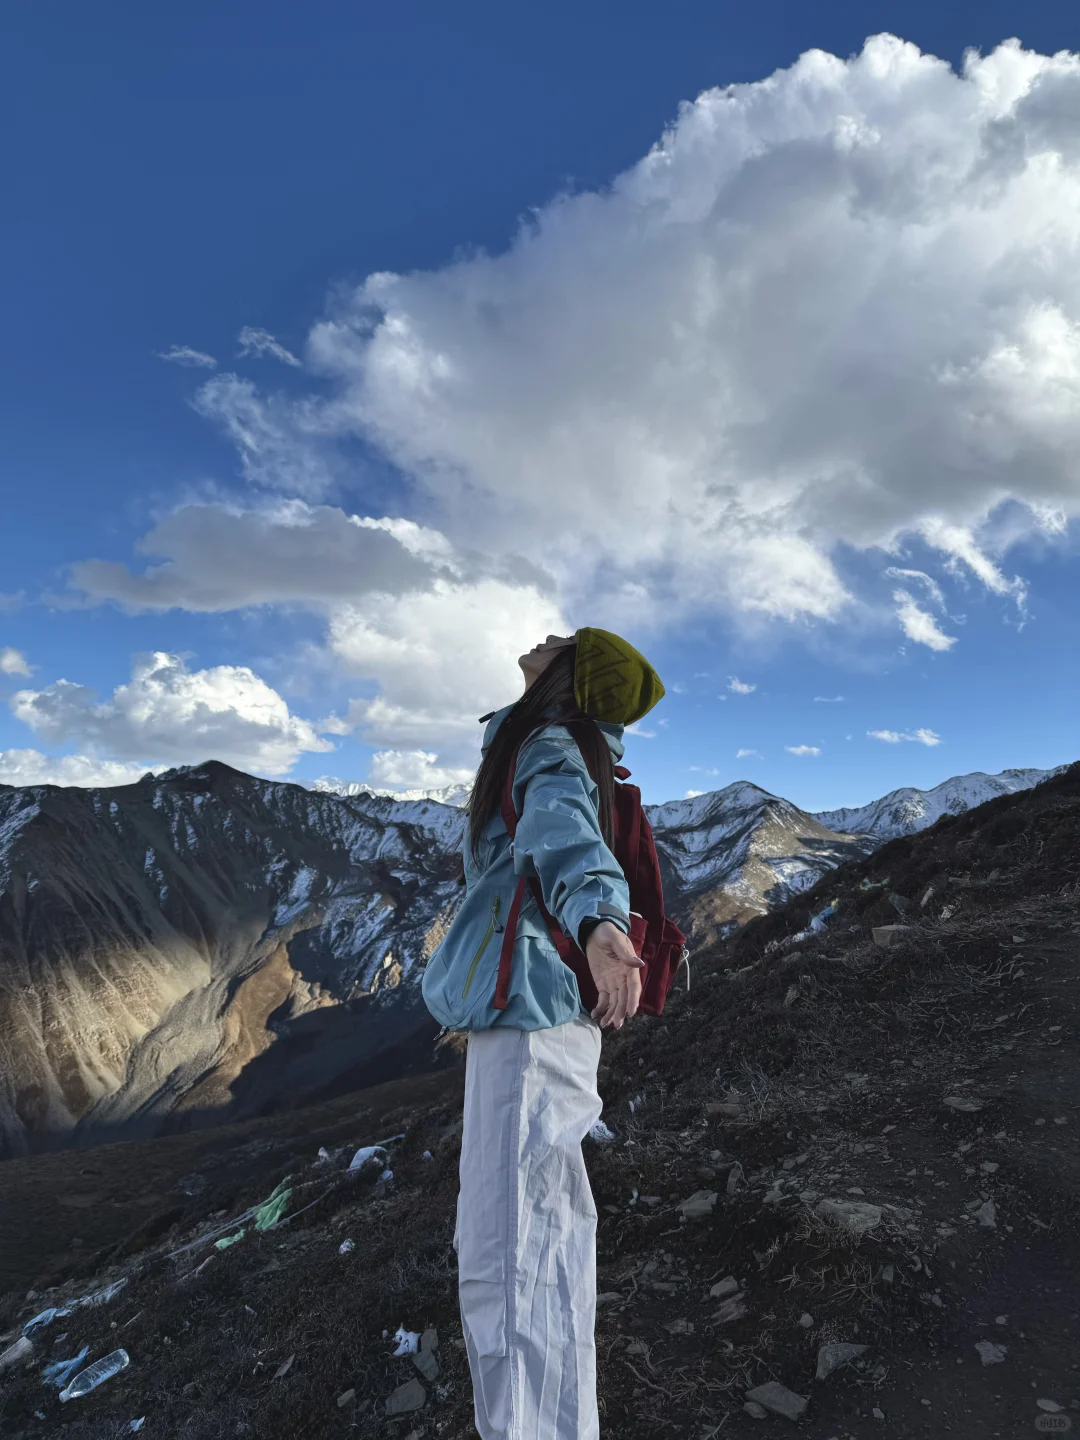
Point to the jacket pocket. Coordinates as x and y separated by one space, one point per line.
493 926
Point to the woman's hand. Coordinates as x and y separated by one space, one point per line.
616 972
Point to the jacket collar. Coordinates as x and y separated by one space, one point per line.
613 734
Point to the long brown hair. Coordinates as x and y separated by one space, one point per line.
549 700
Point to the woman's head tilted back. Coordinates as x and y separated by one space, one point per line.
591 675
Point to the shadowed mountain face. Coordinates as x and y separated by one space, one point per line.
205 946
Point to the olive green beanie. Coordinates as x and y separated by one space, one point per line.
612 681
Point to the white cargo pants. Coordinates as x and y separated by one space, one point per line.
526 1231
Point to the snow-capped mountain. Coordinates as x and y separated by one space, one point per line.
203 945
447 795
904 811
731 854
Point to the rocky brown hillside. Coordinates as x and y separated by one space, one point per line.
841 1197
156 940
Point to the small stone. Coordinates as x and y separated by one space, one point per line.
755 1411
986 1215
680 1327
284 1368
724 1107
1001 1320
967 1103
1049 1405
346 1398
886 935
1040 1121
849 1214
806 1321
425 1362
988 1167
830 1357
888 1273
735 1177
698 1205
779 1399
21 1353
878 1413
406 1398
989 1353
608 1297
733 1308
429 1340
728 1286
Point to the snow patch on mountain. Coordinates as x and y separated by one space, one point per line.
446 795
904 811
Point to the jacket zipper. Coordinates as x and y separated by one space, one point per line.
496 906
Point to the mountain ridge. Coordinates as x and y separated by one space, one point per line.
203 945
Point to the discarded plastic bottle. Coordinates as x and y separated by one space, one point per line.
96 1374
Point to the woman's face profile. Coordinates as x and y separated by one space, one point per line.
536 660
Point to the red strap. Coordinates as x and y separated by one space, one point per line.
506 956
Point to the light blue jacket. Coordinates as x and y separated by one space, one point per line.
559 842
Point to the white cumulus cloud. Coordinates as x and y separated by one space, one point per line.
803 749
414 770
836 306
31 767
13 662
829 311
740 687
167 714
442 657
897 737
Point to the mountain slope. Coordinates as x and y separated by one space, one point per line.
731 854
155 939
845 1147
204 946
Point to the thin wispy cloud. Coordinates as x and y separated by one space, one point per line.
748 755
255 343
185 355
803 749
641 734
933 589
828 699
918 624
740 687
898 737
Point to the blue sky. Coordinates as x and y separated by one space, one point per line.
783 384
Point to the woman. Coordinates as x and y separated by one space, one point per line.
526 1222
